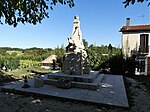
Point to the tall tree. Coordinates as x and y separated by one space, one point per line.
13 12
128 2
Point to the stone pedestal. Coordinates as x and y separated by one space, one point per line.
38 82
75 64
90 81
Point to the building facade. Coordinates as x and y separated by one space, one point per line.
136 42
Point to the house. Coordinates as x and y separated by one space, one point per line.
47 63
136 42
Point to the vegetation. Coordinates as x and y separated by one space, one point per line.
128 2
18 74
98 55
24 58
29 72
28 63
13 12
33 56
100 58
39 71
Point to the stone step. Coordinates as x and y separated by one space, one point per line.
88 78
50 81
99 79
84 85
93 86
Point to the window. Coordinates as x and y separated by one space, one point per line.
141 65
144 43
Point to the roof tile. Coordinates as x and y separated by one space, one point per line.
144 27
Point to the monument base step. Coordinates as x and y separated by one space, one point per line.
88 78
84 85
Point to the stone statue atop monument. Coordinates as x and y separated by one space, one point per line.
75 59
75 41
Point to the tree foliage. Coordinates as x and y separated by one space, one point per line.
98 55
128 2
13 12
28 63
59 52
28 57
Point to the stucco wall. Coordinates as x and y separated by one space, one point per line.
130 43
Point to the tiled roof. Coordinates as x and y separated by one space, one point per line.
145 27
50 59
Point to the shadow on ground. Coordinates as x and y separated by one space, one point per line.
5 78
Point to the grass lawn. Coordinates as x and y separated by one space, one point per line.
29 72
18 74
17 52
40 71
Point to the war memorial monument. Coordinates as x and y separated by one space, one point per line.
76 81
75 60
76 70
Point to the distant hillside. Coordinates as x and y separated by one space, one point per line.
16 53
3 50
20 51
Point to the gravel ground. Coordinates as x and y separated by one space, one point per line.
139 96
10 102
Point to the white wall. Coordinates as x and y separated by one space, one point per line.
130 42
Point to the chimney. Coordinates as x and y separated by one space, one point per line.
127 23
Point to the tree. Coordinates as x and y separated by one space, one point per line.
128 2
60 54
85 44
13 12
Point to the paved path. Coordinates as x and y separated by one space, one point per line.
111 92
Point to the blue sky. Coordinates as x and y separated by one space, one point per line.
100 23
